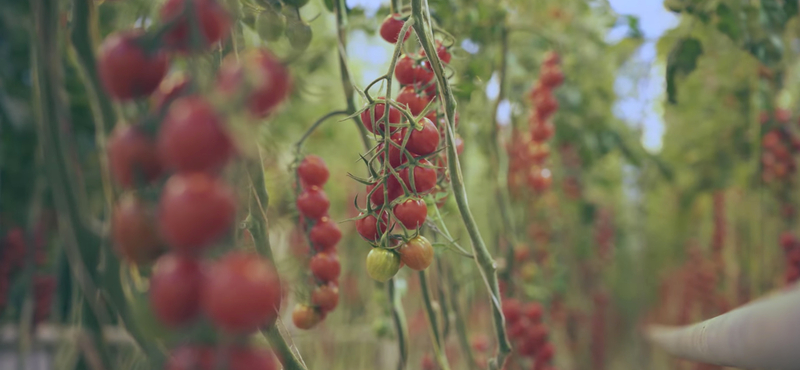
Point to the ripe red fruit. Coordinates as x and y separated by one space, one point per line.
369 229
132 156
313 203
171 88
411 213
305 317
396 157
191 358
244 293
325 234
409 97
551 58
417 253
551 77
539 153
542 131
771 139
512 310
134 231
313 171
214 23
788 240
545 354
175 289
193 137
260 75
546 105
533 311
441 51
373 116
424 177
325 267
195 209
326 297
516 329
126 69
250 359
404 71
424 141
423 76
539 179
391 27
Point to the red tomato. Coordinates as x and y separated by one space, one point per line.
260 76
369 229
391 27
126 69
545 354
542 131
396 158
325 266
411 213
193 137
539 153
771 139
213 20
134 231
512 310
424 141
243 293
250 359
313 171
441 51
325 234
788 240
326 297
417 253
171 88
551 77
424 177
546 106
551 58
132 156
195 210
533 311
313 203
539 179
191 357
423 75
395 191
409 97
305 317
374 115
404 71
175 289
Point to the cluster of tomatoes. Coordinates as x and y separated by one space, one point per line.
403 157
791 248
13 249
323 234
598 326
529 151
529 334
571 165
604 234
187 136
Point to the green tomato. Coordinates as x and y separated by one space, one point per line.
382 264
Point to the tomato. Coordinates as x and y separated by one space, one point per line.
243 293
175 289
134 231
404 71
411 213
250 359
459 144
771 139
260 76
132 156
512 310
539 153
533 311
538 91
326 297
369 229
409 97
193 137
325 266
395 191
195 210
551 58
209 358
382 264
128 71
542 131
539 179
551 77
441 51
374 115
313 171
417 253
396 157
423 75
171 88
313 203
545 354
546 106
214 23
424 141
516 329
788 240
191 357
391 27
325 234
305 317
424 177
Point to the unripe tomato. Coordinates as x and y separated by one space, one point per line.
195 210
326 297
325 234
214 23
243 293
374 115
424 141
411 213
369 229
171 88
424 177
409 97
313 171
391 27
417 253
382 264
175 289
126 69
313 203
260 75
132 156
325 267
134 231
305 317
193 137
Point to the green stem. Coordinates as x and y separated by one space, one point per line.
284 351
316 124
347 81
483 258
461 328
433 321
399 318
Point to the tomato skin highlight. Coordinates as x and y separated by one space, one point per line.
411 213
417 253
132 155
326 297
325 234
175 289
325 267
382 264
313 203
192 137
214 23
134 231
313 171
126 70
195 210
391 27
242 294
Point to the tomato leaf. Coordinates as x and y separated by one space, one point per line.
681 61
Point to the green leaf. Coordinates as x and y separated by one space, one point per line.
329 4
728 23
270 25
682 60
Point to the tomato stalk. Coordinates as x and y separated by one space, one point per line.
399 318
484 260
347 81
433 321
